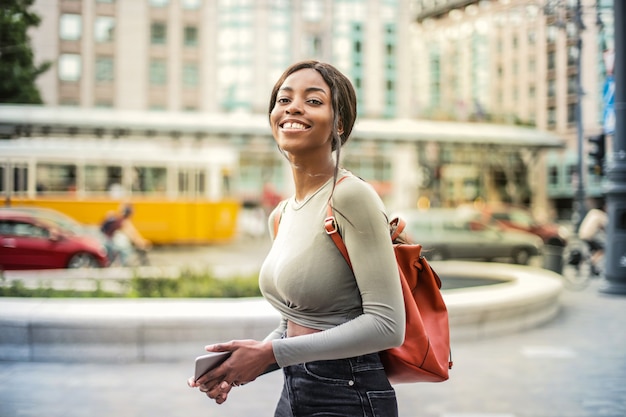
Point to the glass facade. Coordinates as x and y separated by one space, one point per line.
235 54
279 20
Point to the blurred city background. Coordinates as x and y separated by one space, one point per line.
487 124
164 103
504 107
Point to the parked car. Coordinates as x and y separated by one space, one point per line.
460 234
32 241
60 219
518 218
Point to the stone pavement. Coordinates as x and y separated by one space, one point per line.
574 366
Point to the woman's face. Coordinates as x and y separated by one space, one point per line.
302 116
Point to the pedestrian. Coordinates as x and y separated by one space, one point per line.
335 319
592 231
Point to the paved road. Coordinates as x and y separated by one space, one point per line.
575 366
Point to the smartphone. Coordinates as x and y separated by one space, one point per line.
209 361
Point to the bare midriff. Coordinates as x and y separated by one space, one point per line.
294 329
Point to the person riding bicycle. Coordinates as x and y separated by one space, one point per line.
121 235
592 232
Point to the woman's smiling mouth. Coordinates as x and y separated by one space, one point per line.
294 126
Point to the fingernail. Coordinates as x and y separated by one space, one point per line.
224 385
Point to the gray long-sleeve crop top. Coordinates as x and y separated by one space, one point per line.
308 281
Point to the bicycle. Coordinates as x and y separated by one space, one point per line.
578 270
123 253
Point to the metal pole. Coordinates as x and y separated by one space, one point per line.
580 190
615 255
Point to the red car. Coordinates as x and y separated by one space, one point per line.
29 241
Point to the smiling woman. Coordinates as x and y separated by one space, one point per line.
334 319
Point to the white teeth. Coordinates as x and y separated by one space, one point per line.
294 125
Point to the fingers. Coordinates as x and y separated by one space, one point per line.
218 392
219 347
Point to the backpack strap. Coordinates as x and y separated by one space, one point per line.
396 226
330 225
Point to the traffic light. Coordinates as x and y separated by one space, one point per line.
596 153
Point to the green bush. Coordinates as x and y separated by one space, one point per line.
17 289
193 285
188 285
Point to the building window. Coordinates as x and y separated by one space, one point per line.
69 67
158 3
572 55
104 69
104 29
158 72
551 88
312 10
572 85
191 36
551 60
553 175
552 34
190 74
313 45
191 4
70 27
551 117
158 33
571 113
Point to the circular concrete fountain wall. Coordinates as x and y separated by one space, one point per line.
171 329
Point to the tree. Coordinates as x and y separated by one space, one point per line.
18 71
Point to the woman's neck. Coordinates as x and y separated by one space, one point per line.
308 180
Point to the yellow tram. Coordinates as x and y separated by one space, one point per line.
180 191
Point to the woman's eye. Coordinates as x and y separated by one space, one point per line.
282 100
315 101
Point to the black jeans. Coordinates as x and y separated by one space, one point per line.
351 387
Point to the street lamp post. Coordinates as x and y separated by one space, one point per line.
580 189
615 189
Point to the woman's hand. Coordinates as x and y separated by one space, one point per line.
248 360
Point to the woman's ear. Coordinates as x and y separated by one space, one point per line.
340 128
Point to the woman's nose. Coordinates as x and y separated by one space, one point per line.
294 107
